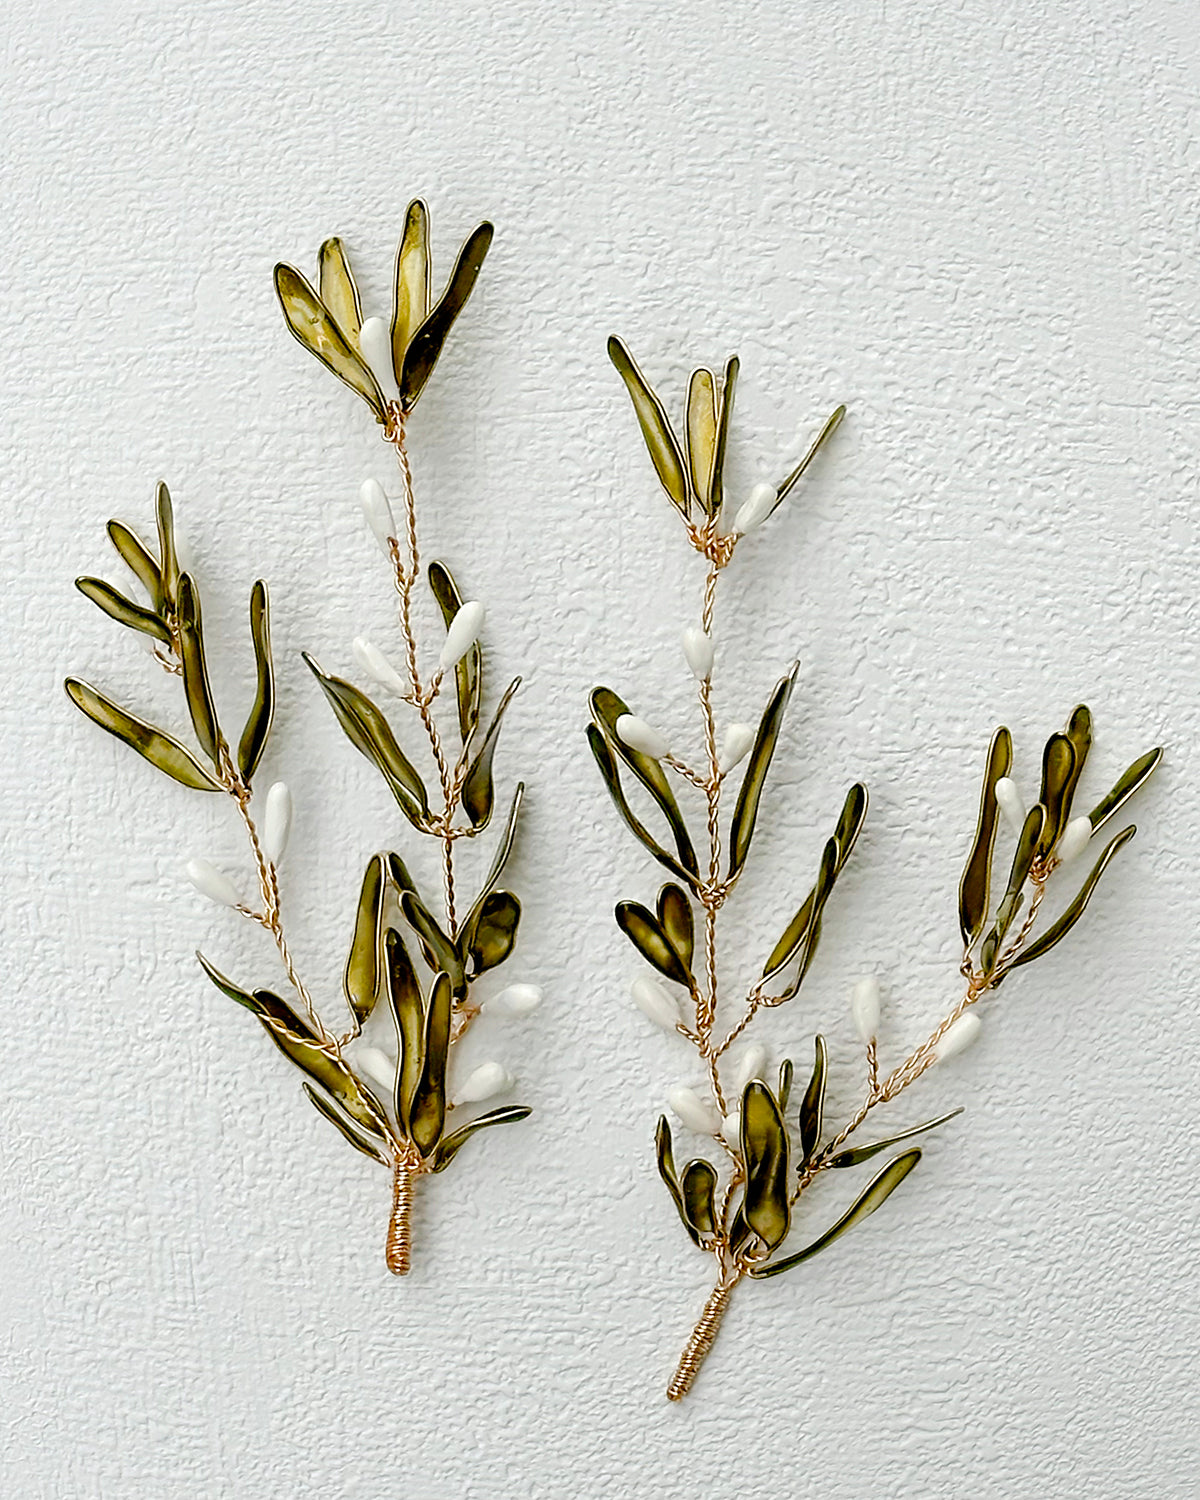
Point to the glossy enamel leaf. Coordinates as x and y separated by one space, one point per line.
845 836
1059 929
677 921
428 1113
370 1142
812 1106
331 1073
164 515
741 829
663 446
159 749
855 1155
312 325
196 687
478 792
468 674
729 386
1125 787
608 770
426 343
877 1191
339 291
644 931
697 1186
832 423
665 1158
1058 778
500 859
262 711
974 890
363 979
448 1146
784 1092
140 561
850 822
1028 843
408 1013
493 931
804 934
607 708
701 433
764 1146
124 611
1079 732
263 1003
440 953
410 304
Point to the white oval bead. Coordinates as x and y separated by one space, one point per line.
654 1003
210 882
693 1111
378 513
375 1062
639 735
864 1008
960 1036
1009 800
735 746
751 1064
277 821
462 634
375 342
756 509
488 1080
1075 838
373 662
731 1128
516 1000
698 648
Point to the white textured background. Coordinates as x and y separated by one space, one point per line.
973 223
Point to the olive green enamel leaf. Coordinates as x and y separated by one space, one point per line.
1030 839
370 1142
262 1003
644 931
363 979
697 1186
426 343
428 1113
124 611
1125 787
439 952
410 306
468 674
1079 732
850 822
1063 925
785 1083
663 445
701 433
764 1146
478 792
339 291
974 890
196 687
608 770
807 946
449 1145
857 1154
877 1191
845 836
493 930
408 1013
331 1073
139 560
832 423
741 829
262 711
607 708
159 749
666 1170
398 874
1058 778
370 733
677 921
503 850
164 514
312 325
718 475
812 1106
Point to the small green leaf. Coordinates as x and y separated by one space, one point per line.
490 937
123 610
814 909
449 1145
408 1013
263 1003
440 953
832 423
478 793
663 445
1063 925
856 1154
428 1114
164 513
426 343
339 291
262 712
364 977
503 850
722 440
666 1170
644 931
696 1187
196 687
1128 783
370 1142
845 836
741 829
140 560
410 306
974 891
608 770
1058 778
812 1107
764 1145
312 325
468 674
785 1083
701 433
678 922
159 749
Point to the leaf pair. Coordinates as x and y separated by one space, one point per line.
692 1191
665 939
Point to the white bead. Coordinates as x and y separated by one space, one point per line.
378 513
375 1062
1075 839
694 1112
731 1128
488 1080
750 1065
516 1000
654 1003
373 662
864 1008
639 735
277 822
960 1036
1009 800
462 634
736 745
757 508
209 881
698 648
375 342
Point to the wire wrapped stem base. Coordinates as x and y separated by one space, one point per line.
398 1251
703 1337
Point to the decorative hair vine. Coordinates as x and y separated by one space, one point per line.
769 1156
390 1101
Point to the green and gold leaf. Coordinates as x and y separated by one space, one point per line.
645 932
746 812
854 1155
812 1107
313 326
262 711
608 770
428 1113
468 674
1127 784
196 687
678 922
1059 773
449 1145
974 891
492 932
339 291
764 1146
370 1142
410 305
124 611
426 343
408 1013
330 1072
697 1186
702 433
1055 933
665 1159
728 388
164 514
478 792
439 951
140 560
832 423
364 977
663 445
159 749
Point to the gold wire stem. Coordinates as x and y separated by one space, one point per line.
398 1250
703 1337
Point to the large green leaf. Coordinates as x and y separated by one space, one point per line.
428 1113
665 452
607 708
312 325
974 889
426 343
722 440
645 932
196 687
439 951
408 1013
371 1143
159 749
490 937
741 829
1127 784
764 1146
697 1185
123 610
364 978
478 793
410 305
339 291
331 1073
608 770
1058 930
140 561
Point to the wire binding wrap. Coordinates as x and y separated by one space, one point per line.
703 1337
399 1236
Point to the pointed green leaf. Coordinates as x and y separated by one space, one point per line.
764 1146
339 291
468 674
784 1092
644 931
408 1013
1059 929
607 708
370 1142
608 770
1058 778
741 829
196 687
832 423
426 343
164 513
678 922
440 953
1031 837
428 1114
312 325
665 453
503 850
410 304
493 931
263 1003
857 1154
159 749
123 610
1125 787
696 1187
666 1170
974 891
1079 732
364 977
478 793
140 561
262 712
330 1072
722 439
702 433
845 836
812 1107
449 1145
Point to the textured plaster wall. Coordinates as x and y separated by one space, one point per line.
975 224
